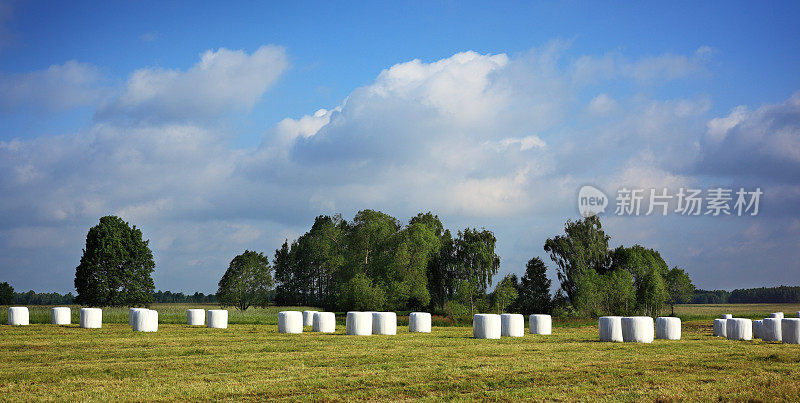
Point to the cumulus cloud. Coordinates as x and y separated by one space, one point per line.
57 88
481 139
222 81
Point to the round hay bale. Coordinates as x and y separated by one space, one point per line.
308 318
637 329
512 325
196 317
798 314
771 329
757 329
359 323
131 312
720 328
91 318
145 320
790 330
290 322
540 324
217 318
740 329
419 322
486 326
668 328
726 316
610 328
324 322
776 315
18 316
384 323
61 315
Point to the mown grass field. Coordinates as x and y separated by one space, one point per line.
251 361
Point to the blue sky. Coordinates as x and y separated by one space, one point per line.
220 127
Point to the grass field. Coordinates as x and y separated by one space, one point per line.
251 361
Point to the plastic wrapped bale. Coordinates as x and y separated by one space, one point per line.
290 322
61 315
217 318
757 329
131 312
777 315
486 326
610 328
308 318
637 329
798 314
512 325
726 316
18 316
419 322
790 330
384 323
668 328
720 327
740 329
540 324
91 318
324 322
196 317
145 320
359 323
771 329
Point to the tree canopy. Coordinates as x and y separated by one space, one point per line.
247 281
116 266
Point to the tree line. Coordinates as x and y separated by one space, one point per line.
9 297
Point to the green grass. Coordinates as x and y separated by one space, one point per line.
254 362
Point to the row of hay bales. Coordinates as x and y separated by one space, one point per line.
140 319
638 329
493 326
357 323
774 328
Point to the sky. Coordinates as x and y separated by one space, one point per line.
216 128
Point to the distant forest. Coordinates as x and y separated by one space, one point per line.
763 295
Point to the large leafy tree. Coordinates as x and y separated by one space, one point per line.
116 266
476 260
6 294
679 287
583 247
247 281
505 293
648 270
534 289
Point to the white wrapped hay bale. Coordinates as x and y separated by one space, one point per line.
512 325
359 323
726 316
290 322
757 329
91 318
540 324
771 329
798 314
217 318
668 328
637 329
145 320
486 326
610 328
131 313
61 315
324 322
740 329
419 322
196 317
18 316
790 330
308 318
384 323
777 315
720 327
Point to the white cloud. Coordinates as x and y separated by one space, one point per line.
57 88
222 81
